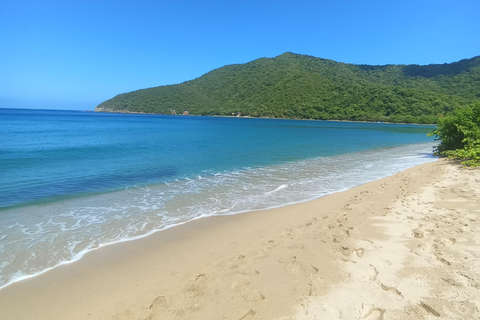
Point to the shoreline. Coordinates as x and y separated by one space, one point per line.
207 260
101 199
253 117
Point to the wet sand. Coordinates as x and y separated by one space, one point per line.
404 247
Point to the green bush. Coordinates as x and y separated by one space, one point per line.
460 135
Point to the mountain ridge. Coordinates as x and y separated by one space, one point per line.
306 87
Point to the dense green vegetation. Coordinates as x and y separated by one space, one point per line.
460 135
305 87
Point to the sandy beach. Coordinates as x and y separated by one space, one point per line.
403 247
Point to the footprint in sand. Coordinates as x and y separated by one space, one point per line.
359 252
270 244
391 289
370 274
429 309
249 315
267 247
236 262
159 301
451 282
253 296
240 285
375 314
198 285
441 259
471 282
418 233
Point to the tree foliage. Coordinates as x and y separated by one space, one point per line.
305 87
460 135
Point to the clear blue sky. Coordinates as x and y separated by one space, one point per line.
76 54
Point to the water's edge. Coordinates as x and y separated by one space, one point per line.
82 253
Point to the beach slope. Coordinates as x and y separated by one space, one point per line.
403 247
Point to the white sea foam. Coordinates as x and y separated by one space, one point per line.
283 186
63 232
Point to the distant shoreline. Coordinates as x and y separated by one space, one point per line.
251 117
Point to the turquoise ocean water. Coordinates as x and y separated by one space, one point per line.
74 181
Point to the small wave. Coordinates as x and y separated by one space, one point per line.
133 190
283 186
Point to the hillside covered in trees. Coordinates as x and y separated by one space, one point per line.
305 87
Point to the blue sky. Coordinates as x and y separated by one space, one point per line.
74 55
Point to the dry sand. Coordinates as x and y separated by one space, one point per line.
404 247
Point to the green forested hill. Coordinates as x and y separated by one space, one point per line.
299 86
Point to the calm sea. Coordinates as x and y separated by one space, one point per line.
74 181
